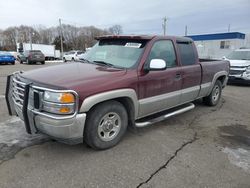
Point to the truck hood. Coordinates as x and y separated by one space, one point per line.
239 63
74 75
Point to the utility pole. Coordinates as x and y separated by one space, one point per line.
229 27
186 30
164 25
61 36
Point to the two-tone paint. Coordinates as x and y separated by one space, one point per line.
142 92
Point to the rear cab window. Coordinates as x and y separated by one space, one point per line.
187 54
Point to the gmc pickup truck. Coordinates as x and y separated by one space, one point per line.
122 81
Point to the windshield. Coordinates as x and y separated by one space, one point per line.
239 55
118 52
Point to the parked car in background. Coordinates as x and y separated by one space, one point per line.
6 57
72 55
21 58
81 56
239 66
34 56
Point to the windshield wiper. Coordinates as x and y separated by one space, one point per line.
108 64
84 60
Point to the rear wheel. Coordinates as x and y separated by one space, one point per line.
43 62
106 125
13 63
64 60
214 97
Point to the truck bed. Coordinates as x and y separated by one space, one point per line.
210 67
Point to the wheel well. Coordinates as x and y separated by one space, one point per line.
222 79
129 106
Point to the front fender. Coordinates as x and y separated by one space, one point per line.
91 101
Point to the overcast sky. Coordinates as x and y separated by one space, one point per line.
135 16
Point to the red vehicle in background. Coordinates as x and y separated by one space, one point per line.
123 81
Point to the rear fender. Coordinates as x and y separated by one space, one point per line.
216 76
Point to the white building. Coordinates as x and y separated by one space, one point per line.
220 44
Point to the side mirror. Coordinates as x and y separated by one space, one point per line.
157 64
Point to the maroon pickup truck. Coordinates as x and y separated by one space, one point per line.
122 81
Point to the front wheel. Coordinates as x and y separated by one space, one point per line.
214 97
106 125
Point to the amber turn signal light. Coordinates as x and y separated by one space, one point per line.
67 98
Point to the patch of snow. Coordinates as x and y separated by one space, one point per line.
2 97
239 157
13 132
54 61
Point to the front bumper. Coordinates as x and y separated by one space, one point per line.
241 78
67 129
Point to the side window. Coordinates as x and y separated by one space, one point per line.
187 55
224 44
164 49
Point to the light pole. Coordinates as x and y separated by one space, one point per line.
61 37
164 25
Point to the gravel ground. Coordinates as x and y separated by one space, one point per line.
205 147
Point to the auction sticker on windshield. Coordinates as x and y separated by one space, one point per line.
133 45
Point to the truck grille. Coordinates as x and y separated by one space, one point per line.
18 91
236 72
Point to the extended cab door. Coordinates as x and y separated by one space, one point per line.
160 90
190 71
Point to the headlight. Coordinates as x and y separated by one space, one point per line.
59 97
59 103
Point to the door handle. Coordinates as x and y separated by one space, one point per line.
178 76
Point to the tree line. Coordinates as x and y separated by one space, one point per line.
74 38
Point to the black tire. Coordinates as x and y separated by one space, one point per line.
13 63
103 119
21 62
64 60
73 59
43 62
214 97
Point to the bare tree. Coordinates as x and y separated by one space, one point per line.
10 38
115 29
74 38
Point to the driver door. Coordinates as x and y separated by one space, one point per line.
160 90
